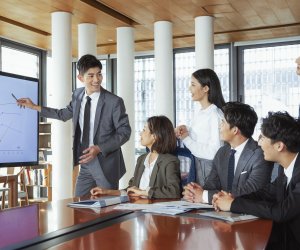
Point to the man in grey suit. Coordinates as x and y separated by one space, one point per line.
100 128
241 172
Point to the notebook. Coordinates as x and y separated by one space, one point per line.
228 216
101 202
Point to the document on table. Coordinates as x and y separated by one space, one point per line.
132 206
228 216
184 204
172 207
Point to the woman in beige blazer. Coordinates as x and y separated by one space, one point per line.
157 173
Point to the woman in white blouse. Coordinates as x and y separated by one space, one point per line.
157 173
202 138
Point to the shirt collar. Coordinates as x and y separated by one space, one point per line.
289 170
92 96
208 109
146 162
240 147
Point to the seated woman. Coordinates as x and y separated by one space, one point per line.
157 173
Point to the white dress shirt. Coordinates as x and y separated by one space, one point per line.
239 149
145 179
94 100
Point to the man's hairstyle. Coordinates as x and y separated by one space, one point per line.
208 77
280 126
86 62
165 137
240 115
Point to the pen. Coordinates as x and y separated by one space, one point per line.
14 96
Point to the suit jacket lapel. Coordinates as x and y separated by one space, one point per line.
77 108
244 158
139 171
154 171
225 170
296 172
98 110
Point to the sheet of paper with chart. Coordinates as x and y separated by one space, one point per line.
18 127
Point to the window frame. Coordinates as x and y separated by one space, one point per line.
42 57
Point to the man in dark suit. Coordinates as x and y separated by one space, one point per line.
241 173
100 125
280 200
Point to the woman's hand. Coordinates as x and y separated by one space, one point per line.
181 132
135 191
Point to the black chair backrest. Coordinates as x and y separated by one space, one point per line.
187 164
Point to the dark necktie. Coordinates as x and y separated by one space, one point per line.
284 185
86 124
230 170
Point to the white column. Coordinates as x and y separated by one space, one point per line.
163 52
62 89
87 39
204 42
125 89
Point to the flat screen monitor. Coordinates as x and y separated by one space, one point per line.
18 126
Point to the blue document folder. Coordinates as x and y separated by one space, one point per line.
100 202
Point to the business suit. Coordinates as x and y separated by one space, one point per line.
111 131
252 171
165 177
280 204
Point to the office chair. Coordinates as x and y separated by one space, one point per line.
3 195
187 164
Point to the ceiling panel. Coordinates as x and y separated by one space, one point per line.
235 20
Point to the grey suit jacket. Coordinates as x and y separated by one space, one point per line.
252 171
111 130
165 177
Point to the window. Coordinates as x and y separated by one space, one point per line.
184 67
270 80
24 60
144 70
20 62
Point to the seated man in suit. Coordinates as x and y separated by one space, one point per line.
239 166
280 200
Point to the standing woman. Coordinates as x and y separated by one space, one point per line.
157 173
202 138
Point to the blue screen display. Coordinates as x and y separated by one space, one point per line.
18 126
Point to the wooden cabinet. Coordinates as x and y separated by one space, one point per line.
44 136
39 178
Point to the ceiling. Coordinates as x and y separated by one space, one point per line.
29 21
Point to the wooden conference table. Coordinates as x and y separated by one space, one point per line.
54 225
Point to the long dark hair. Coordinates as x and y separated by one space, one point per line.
165 137
208 77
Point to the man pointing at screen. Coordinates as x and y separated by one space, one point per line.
100 128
